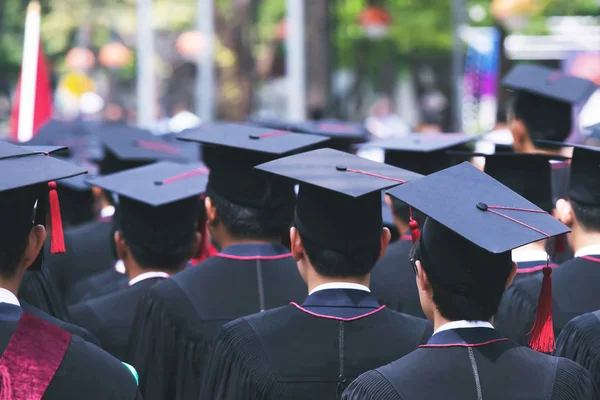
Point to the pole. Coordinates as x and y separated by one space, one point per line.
146 82
295 62
458 20
205 89
31 48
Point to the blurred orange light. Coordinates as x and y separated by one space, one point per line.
80 58
114 55
190 44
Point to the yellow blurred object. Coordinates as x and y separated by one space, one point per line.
502 9
77 83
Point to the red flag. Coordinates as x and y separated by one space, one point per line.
43 98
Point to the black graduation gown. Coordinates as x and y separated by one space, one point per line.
580 341
39 289
86 371
71 328
474 363
393 280
527 269
89 251
178 320
97 285
311 351
572 295
110 317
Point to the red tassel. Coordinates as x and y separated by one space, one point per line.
560 244
57 244
415 233
541 337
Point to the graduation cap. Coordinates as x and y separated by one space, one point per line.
549 83
339 201
473 223
422 153
130 147
29 176
158 204
232 150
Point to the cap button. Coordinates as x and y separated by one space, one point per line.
158 183
482 206
254 136
341 167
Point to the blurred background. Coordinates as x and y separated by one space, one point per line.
401 65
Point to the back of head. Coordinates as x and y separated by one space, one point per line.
341 234
544 118
16 219
159 237
249 204
467 281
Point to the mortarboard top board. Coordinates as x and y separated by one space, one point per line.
422 153
339 201
157 184
549 83
461 198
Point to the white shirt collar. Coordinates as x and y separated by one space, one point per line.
340 285
6 296
592 250
120 267
463 324
529 255
148 275
107 211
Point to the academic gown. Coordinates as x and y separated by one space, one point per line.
71 328
89 252
572 295
85 371
97 285
312 351
528 269
393 280
580 341
178 320
110 317
38 288
474 363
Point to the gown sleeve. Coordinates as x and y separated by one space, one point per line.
232 375
580 341
516 313
573 382
371 386
167 357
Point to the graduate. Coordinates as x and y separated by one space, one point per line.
393 279
40 360
463 265
581 212
91 245
178 320
156 236
314 348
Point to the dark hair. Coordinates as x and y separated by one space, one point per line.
252 223
544 118
330 263
587 216
167 261
475 299
11 256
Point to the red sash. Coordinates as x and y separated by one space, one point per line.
34 353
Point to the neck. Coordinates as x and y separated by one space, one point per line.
226 241
579 238
439 320
529 148
535 246
401 226
313 279
134 269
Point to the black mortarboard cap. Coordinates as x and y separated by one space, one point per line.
422 153
549 83
158 204
339 201
231 151
128 147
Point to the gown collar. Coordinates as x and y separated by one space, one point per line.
255 251
465 337
340 304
